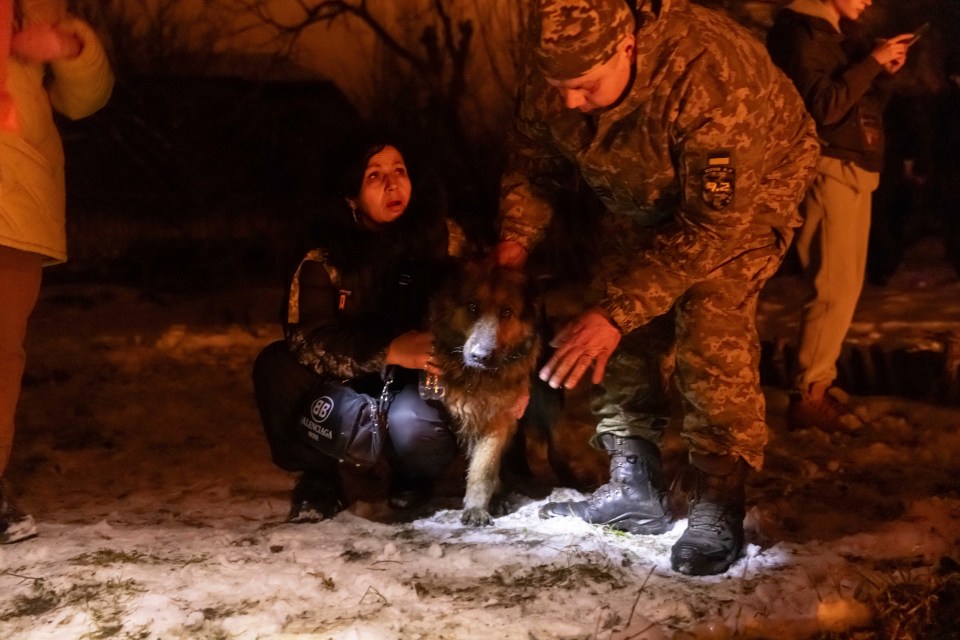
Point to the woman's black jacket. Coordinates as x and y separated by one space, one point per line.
361 289
835 76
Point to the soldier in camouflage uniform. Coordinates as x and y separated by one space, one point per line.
700 150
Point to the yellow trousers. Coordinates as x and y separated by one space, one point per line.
20 275
832 247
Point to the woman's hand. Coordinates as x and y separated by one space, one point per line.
892 53
45 43
413 350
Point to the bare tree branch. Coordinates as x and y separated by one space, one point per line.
315 12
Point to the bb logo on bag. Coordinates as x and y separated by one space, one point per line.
321 408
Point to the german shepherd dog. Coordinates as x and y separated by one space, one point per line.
486 342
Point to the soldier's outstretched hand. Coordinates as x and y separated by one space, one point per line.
589 339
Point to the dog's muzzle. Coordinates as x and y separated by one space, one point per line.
480 349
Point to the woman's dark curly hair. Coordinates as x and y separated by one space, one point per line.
355 162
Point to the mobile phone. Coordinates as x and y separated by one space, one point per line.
918 33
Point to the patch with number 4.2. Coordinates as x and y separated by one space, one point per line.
719 178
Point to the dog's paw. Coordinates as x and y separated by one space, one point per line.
476 517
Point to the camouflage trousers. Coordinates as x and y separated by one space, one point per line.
707 347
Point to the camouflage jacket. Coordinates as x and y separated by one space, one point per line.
711 146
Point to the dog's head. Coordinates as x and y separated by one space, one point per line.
486 316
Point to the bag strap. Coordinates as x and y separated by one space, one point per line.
387 395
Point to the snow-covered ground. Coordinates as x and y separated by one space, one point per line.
140 454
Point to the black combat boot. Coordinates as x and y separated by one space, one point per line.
633 500
714 535
317 495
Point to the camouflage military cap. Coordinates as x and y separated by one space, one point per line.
577 35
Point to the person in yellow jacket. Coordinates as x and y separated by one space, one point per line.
55 63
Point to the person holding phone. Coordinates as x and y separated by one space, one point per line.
918 33
816 44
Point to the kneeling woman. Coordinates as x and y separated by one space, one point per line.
355 315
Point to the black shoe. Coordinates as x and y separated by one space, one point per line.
316 496
633 500
714 536
409 493
15 525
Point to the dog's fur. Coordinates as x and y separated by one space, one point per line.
486 343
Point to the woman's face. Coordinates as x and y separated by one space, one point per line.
385 189
851 9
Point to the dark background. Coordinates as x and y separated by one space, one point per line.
195 178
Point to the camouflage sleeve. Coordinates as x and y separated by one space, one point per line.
742 169
323 342
533 177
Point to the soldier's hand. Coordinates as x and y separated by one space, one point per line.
589 339
510 254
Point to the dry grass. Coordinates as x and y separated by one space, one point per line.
911 607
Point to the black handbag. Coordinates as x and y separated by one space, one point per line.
349 425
